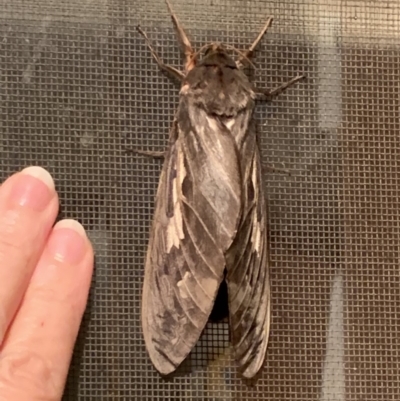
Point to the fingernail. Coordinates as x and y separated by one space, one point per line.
33 188
67 242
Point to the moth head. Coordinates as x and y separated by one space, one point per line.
217 53
214 47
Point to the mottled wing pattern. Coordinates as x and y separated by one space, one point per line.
248 271
199 185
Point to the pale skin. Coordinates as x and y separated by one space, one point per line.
45 274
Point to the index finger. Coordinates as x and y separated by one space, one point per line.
28 208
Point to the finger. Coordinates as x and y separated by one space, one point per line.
37 350
28 208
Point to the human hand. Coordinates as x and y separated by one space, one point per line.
45 274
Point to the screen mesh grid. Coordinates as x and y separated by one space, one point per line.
78 87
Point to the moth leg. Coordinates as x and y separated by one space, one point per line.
276 169
165 67
184 42
157 154
150 153
266 95
248 54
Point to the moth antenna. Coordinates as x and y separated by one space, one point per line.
250 51
196 54
183 39
243 56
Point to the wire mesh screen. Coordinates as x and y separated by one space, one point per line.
78 86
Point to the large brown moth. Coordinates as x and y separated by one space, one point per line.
210 221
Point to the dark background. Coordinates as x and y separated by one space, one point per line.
78 85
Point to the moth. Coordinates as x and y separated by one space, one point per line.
210 219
